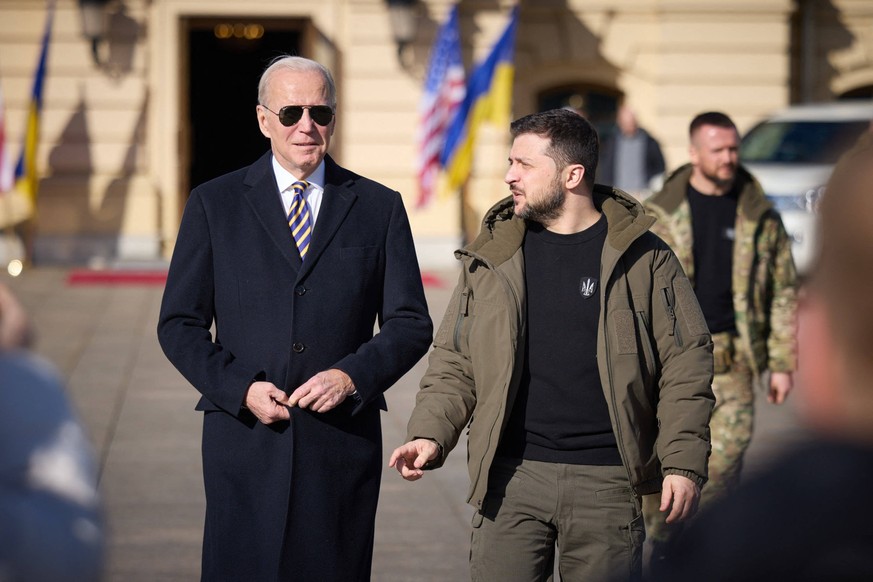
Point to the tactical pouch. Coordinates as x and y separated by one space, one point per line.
722 352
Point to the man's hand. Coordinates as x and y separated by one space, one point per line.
780 385
408 459
323 392
267 403
683 494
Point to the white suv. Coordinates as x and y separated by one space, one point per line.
792 154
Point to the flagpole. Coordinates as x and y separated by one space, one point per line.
488 98
444 90
8 231
465 231
11 205
26 172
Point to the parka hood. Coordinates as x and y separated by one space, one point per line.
752 202
503 232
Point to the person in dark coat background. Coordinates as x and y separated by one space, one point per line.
629 157
294 259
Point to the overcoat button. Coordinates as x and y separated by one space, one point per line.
300 290
298 347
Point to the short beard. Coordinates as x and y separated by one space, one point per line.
549 208
725 183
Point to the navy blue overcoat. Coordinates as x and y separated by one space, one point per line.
294 500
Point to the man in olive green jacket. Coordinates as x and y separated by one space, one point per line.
737 255
647 356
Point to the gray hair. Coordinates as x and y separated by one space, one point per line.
299 64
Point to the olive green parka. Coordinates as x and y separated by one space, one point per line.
654 351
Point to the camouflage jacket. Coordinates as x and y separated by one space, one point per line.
764 276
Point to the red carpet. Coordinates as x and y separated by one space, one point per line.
115 277
431 280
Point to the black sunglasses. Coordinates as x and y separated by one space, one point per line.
291 114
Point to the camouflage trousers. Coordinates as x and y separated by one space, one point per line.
730 428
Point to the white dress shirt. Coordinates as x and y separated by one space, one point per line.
313 194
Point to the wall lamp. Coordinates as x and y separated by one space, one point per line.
94 24
404 16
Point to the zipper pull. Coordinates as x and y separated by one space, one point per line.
463 311
671 313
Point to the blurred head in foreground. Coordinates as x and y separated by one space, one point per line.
835 320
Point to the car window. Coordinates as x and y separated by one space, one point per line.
799 142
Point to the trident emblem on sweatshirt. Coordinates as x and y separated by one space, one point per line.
587 287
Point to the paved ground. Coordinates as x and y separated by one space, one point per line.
139 413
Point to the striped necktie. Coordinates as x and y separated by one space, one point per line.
299 218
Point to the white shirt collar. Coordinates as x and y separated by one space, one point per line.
284 178
313 195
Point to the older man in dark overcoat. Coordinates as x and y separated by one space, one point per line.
294 260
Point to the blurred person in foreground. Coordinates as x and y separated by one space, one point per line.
294 259
737 254
805 517
51 527
575 350
629 157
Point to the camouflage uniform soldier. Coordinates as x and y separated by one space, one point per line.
738 257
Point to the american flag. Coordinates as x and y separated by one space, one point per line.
444 90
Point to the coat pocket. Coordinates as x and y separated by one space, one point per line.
646 341
625 331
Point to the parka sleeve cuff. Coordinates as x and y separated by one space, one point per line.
785 365
440 458
698 480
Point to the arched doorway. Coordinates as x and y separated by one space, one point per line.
226 57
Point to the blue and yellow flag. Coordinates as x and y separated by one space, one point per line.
488 98
26 179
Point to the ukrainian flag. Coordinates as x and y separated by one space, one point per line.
488 98
26 179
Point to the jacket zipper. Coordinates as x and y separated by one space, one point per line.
618 434
671 313
511 292
619 440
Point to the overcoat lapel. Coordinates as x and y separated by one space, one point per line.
264 198
338 200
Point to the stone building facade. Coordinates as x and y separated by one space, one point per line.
168 98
